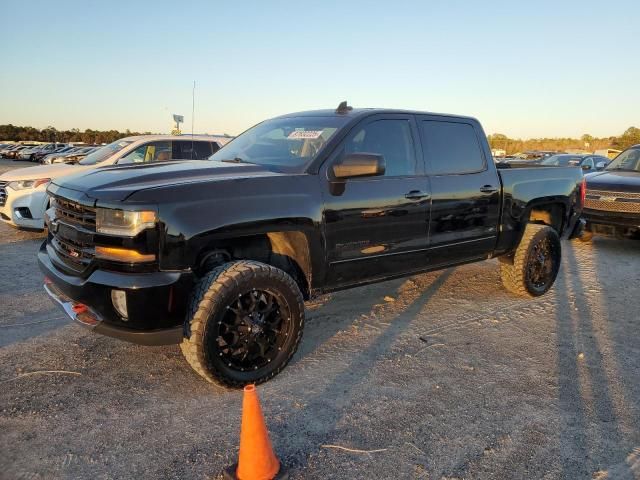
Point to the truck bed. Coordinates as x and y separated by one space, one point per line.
524 188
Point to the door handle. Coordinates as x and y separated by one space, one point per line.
488 189
417 195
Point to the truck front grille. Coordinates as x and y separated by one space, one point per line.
76 214
72 238
3 193
613 201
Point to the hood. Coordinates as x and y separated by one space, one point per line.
44 171
118 183
614 181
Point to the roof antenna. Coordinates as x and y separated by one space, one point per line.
193 113
343 107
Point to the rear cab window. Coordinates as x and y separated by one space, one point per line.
451 147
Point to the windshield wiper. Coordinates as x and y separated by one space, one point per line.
235 160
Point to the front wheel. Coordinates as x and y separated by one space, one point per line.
244 323
535 264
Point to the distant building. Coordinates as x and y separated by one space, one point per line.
498 152
608 152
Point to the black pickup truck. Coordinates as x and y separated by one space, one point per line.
612 204
219 256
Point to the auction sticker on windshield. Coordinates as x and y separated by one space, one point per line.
304 134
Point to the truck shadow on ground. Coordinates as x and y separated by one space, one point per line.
357 366
596 423
330 314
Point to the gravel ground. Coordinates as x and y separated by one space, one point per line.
446 373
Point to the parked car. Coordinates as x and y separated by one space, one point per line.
25 153
23 191
40 156
530 158
612 204
5 151
586 162
59 157
81 153
39 153
71 156
13 152
28 153
298 205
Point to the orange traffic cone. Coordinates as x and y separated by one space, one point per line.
256 460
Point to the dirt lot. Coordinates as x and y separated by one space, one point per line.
446 373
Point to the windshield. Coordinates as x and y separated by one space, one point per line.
105 152
628 160
282 142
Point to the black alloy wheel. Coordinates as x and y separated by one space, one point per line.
252 330
244 323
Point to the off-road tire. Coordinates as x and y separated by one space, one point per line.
212 294
515 275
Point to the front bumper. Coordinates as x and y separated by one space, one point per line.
156 302
35 200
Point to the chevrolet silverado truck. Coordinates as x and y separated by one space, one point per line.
219 256
612 204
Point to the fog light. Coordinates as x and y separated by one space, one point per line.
119 300
23 212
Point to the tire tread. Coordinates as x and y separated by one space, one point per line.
202 304
513 274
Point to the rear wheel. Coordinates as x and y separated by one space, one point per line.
535 264
244 324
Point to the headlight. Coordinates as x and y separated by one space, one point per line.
25 184
123 222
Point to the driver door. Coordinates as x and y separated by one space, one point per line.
377 227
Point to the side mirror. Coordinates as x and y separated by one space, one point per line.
586 167
601 165
356 165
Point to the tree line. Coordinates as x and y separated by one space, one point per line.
497 140
51 134
587 142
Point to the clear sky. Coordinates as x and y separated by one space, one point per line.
526 69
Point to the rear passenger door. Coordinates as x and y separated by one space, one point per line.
465 190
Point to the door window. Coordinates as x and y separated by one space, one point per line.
451 148
389 138
191 150
149 152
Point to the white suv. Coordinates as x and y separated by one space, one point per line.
23 192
